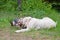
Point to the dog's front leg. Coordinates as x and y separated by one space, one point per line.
22 30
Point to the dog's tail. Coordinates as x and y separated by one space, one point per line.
56 23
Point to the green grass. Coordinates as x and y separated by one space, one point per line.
6 17
33 8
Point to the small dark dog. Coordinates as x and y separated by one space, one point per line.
18 23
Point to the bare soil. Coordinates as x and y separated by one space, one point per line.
6 35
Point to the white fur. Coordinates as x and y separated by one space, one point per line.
30 23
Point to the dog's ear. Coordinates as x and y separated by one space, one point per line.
28 19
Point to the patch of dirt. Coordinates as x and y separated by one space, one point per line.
5 35
37 36
19 36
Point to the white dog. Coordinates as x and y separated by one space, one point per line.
31 23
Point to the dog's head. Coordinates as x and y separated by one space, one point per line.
20 22
16 22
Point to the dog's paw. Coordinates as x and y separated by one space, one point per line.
17 31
